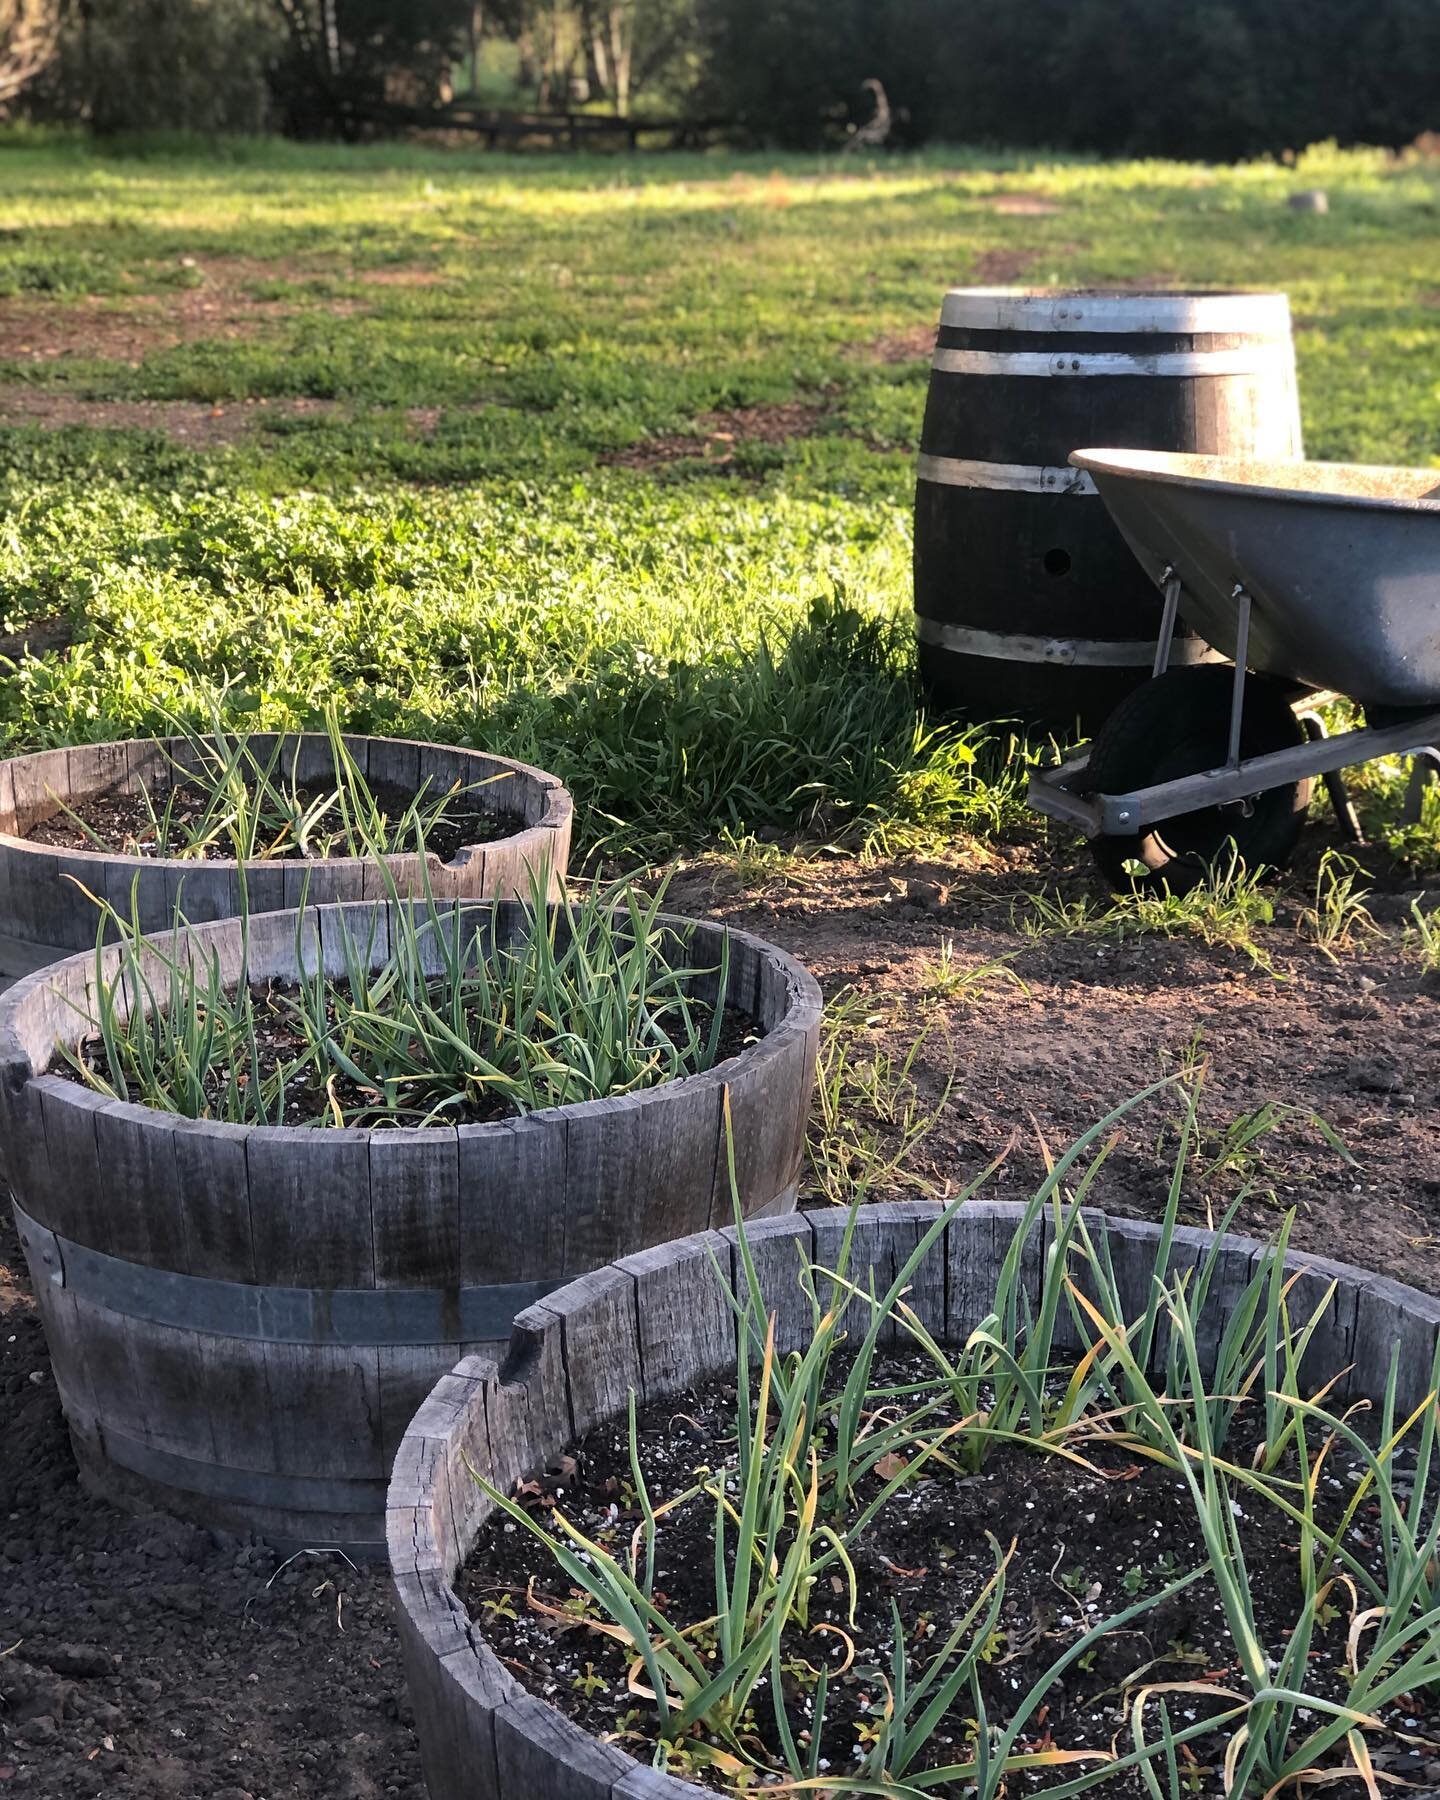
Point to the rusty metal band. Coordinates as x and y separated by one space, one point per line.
276 1315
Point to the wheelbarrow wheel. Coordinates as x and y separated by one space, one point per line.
1179 724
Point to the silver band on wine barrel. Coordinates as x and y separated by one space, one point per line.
1004 646
1180 315
1104 363
1013 478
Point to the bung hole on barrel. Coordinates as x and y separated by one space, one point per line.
1056 562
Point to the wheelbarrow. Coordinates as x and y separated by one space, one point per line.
1310 581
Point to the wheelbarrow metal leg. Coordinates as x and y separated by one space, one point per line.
1171 583
1237 692
1341 804
1424 764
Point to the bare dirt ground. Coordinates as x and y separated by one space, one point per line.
216 298
197 423
127 330
1078 1024
194 422
717 434
202 297
1000 268
147 1662
1025 206
915 345
141 1660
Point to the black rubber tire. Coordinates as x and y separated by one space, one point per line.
1179 724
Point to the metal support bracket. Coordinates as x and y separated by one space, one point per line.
1424 765
1341 804
1060 793
1237 691
1173 586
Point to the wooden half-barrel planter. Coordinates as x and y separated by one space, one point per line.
658 1323
42 887
243 1319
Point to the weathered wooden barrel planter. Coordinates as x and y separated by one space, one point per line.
243 1319
658 1323
41 903
1027 601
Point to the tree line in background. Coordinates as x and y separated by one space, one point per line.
1210 78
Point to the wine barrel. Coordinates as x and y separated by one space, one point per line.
1028 604
46 891
243 1318
661 1323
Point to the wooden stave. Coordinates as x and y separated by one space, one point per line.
120 1366
510 1418
40 906
1048 673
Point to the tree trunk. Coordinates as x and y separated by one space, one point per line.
28 33
477 32
529 67
330 30
622 51
600 73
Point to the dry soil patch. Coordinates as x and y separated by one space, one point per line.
198 423
144 1661
915 345
1356 1041
219 302
1024 206
400 277
1000 267
717 434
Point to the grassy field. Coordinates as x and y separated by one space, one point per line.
606 463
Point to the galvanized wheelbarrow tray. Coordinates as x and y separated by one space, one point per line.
1311 578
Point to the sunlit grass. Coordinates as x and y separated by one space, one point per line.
698 652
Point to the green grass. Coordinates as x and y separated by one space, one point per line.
697 650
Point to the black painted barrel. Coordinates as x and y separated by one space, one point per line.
1028 604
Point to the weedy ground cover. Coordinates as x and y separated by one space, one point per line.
1134 1551
1224 909
402 377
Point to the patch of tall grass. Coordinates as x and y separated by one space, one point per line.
742 668
870 1121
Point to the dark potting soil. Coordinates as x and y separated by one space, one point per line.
123 825
140 1659
1087 1547
308 1101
